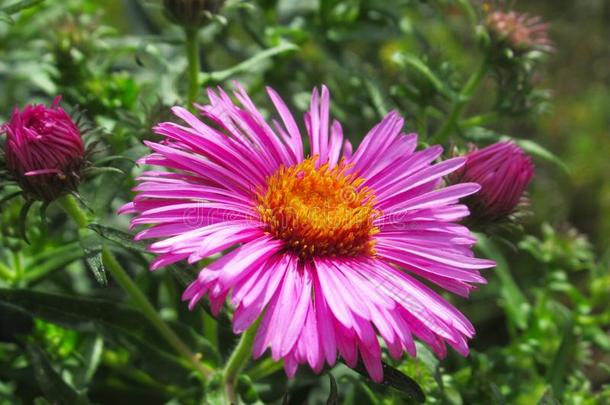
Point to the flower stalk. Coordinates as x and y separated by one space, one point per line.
192 55
237 361
465 95
72 208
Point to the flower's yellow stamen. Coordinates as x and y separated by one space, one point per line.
319 211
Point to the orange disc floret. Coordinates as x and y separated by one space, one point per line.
319 211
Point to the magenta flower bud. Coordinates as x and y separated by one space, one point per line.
503 170
44 152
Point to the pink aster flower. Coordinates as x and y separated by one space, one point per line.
44 151
504 171
329 248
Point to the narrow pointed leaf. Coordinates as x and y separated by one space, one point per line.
562 362
548 398
93 257
407 59
397 380
52 385
6 18
116 235
113 158
43 212
94 171
249 64
23 218
14 323
333 396
19 6
10 197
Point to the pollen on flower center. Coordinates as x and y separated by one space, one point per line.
319 211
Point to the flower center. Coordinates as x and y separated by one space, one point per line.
319 211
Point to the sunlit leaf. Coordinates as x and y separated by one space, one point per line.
397 380
247 65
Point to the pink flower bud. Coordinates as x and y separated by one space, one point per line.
503 170
520 32
44 151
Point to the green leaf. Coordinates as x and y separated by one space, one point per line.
96 265
113 158
43 212
10 197
407 59
548 398
481 134
246 390
14 322
515 302
50 382
92 247
378 98
333 396
94 171
264 368
397 380
6 18
23 219
535 149
118 323
49 261
248 64
20 6
562 361
111 319
77 313
93 358
120 237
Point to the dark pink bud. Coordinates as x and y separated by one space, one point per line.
503 170
44 151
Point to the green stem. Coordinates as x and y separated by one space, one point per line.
469 10
441 136
149 311
192 55
237 361
70 205
72 208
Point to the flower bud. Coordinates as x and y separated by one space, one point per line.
191 13
521 33
44 152
503 170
